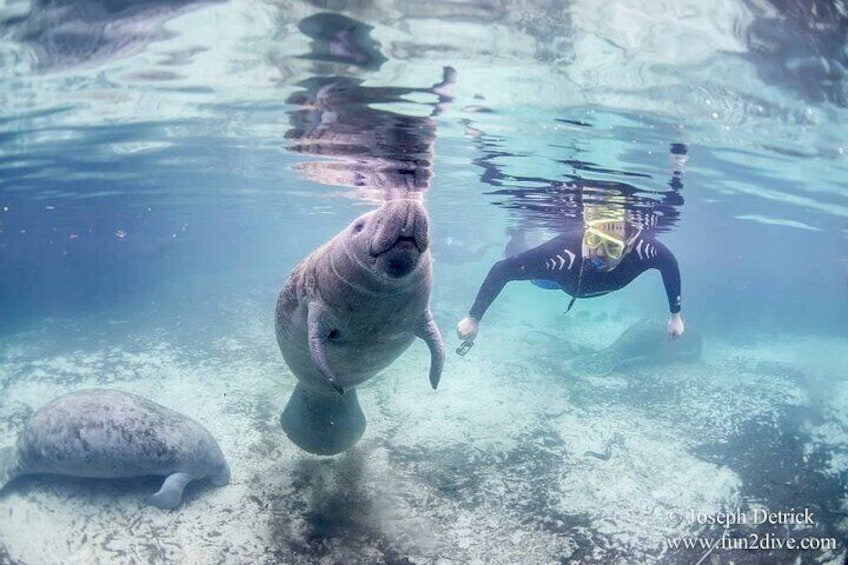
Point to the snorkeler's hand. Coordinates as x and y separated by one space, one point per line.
675 326
466 329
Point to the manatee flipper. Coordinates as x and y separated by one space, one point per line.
171 493
319 332
323 423
10 465
427 330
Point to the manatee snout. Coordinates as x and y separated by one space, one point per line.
401 236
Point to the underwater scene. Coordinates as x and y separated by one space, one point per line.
427 282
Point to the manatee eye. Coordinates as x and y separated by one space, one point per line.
358 227
334 333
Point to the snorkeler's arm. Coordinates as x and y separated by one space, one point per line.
501 273
666 262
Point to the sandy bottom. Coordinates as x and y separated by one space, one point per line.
519 457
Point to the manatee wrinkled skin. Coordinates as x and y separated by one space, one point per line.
102 433
346 312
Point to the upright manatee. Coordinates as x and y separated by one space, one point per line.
347 311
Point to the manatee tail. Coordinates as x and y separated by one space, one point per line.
10 466
323 424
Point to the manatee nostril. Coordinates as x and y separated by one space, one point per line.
403 223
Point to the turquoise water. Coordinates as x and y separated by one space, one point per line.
163 167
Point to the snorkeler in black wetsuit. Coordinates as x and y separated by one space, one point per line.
605 257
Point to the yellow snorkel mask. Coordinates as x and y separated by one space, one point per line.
605 242
596 240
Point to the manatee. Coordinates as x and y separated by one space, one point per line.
346 312
645 344
108 434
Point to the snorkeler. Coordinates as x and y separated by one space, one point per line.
605 256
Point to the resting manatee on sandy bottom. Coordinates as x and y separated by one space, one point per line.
347 311
644 344
109 434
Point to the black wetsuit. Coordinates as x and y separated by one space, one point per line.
560 261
